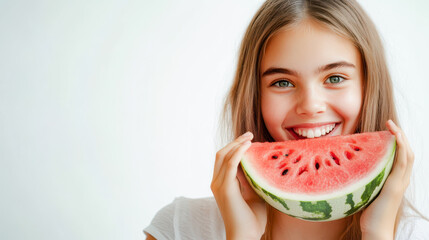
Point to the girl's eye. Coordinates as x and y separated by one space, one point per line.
283 84
334 79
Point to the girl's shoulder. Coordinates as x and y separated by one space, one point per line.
188 218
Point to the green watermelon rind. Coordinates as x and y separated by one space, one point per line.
337 205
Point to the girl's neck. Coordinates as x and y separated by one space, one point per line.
287 227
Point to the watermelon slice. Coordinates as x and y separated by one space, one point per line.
321 179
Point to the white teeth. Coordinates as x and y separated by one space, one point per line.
310 133
314 132
317 133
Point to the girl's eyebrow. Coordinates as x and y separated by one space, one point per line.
327 67
274 70
339 64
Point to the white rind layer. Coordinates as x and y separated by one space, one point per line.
337 199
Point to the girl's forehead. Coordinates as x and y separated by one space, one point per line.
306 45
310 25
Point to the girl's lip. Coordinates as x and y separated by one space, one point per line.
311 125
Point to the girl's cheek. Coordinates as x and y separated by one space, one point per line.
348 104
270 110
274 109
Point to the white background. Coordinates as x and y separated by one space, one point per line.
109 109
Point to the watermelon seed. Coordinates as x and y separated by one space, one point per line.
274 157
297 160
349 155
356 148
285 172
286 155
302 170
317 160
335 158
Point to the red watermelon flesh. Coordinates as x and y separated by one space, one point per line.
318 165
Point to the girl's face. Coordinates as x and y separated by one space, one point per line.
311 83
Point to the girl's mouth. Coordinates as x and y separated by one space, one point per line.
313 132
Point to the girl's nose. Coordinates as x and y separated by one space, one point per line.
310 102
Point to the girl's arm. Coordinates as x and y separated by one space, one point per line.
243 212
378 220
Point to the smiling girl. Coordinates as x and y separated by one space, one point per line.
306 69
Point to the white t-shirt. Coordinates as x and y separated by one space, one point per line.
190 219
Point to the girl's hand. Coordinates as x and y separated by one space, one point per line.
378 219
243 212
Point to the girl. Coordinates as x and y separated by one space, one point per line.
304 66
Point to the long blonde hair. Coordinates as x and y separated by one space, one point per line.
345 17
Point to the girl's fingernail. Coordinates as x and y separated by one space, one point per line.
247 143
247 134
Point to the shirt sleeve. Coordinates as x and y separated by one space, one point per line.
188 219
199 219
415 228
162 225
